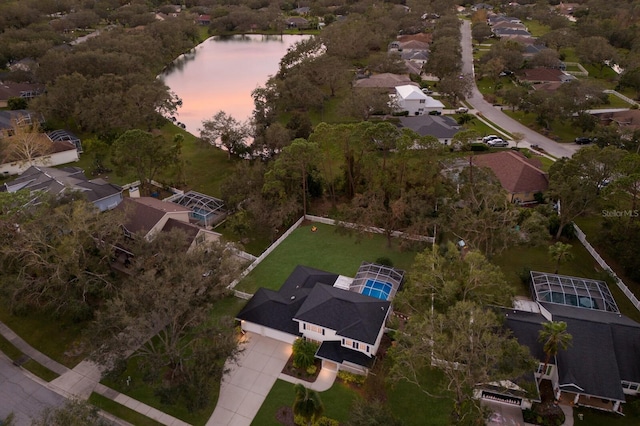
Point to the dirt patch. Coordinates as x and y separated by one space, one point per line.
284 416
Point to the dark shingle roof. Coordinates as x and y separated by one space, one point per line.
350 314
334 351
271 309
441 127
604 350
55 181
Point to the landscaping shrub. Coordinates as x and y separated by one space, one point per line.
384 261
525 275
304 353
356 379
479 147
311 370
401 114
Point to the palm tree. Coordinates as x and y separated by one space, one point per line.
560 253
553 337
307 404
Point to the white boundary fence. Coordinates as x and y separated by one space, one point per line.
266 253
583 239
317 219
371 229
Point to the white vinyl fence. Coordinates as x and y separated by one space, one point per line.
583 239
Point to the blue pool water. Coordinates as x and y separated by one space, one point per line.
378 289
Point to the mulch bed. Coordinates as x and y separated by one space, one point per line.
301 374
284 416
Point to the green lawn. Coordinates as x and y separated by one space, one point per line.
51 337
415 408
336 400
325 249
536 28
140 390
205 166
599 418
121 411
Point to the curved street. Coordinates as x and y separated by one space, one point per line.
494 115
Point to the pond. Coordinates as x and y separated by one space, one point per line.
220 74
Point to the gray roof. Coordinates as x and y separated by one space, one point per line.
334 351
442 127
6 117
350 314
308 295
604 349
56 181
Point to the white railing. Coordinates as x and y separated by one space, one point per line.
583 239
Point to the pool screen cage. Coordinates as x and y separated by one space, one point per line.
375 272
205 210
572 291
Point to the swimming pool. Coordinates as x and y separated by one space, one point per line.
378 289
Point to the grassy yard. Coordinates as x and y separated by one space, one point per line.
37 330
404 399
598 418
336 400
536 28
140 390
121 411
325 249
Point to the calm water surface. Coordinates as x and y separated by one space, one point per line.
221 73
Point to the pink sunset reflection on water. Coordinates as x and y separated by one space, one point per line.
221 73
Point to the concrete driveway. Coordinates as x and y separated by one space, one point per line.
504 414
246 386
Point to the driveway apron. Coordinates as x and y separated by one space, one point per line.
245 387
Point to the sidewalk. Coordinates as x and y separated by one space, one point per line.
82 380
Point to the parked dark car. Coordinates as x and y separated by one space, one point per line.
583 140
434 112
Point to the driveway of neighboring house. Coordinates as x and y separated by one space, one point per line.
246 386
504 414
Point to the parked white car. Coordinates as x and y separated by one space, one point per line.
488 138
497 142
462 110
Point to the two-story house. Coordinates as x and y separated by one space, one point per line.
345 316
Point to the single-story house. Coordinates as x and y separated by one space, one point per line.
150 216
203 19
510 32
104 195
10 89
345 316
497 18
9 119
629 119
600 367
520 176
296 22
411 99
441 127
543 75
384 81
509 24
57 153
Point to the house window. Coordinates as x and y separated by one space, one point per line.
548 372
367 348
315 329
355 345
347 342
631 385
422 101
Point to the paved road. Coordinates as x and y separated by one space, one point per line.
22 395
500 119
